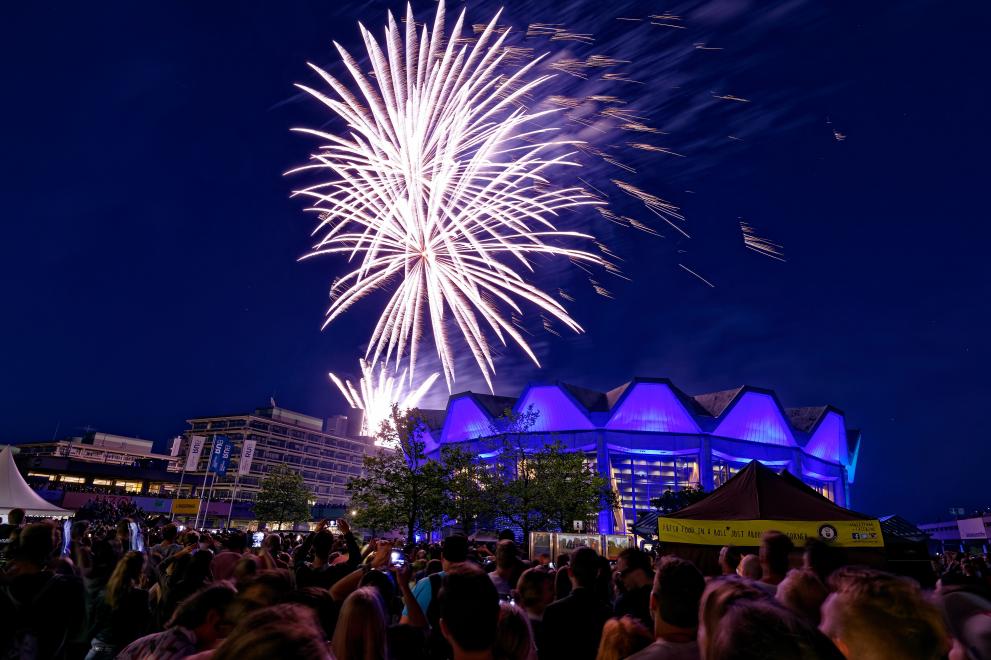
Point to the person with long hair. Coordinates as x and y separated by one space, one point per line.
122 615
361 627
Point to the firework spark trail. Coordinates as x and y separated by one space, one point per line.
763 246
376 394
439 175
705 281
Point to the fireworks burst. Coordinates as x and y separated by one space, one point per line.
441 190
376 394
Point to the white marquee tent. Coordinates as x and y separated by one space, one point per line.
16 494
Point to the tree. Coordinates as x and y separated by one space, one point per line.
400 487
468 488
570 489
283 497
544 487
675 500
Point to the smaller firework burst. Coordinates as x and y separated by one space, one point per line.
377 393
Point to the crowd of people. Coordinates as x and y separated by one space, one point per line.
176 594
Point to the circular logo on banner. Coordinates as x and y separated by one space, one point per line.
828 533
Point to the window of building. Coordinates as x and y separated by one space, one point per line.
279 430
639 478
39 475
199 426
103 482
261 426
235 424
218 424
72 480
129 486
825 488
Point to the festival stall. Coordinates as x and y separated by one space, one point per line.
757 500
16 494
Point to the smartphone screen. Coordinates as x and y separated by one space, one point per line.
397 558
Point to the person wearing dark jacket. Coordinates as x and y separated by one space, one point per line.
320 572
573 624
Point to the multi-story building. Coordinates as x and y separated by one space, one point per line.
325 460
76 462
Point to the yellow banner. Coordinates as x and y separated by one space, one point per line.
186 507
842 533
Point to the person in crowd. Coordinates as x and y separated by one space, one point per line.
775 558
10 529
41 612
469 612
286 632
634 571
267 588
225 561
821 558
803 593
573 625
729 559
122 614
198 624
508 568
762 628
674 604
271 554
536 592
871 614
562 581
321 572
322 604
622 637
167 546
187 571
749 568
454 552
719 595
969 619
514 636
361 627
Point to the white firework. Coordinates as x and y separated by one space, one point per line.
439 191
376 394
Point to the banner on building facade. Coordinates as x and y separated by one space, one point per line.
196 443
842 533
972 528
247 456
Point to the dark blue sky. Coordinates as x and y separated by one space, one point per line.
149 247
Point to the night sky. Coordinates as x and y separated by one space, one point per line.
150 244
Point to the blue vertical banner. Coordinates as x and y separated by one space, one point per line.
220 455
225 457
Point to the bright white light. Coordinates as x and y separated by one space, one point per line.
439 189
376 394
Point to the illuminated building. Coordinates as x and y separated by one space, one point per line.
647 436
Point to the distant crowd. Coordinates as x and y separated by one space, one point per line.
137 589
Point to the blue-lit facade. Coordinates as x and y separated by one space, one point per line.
647 436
